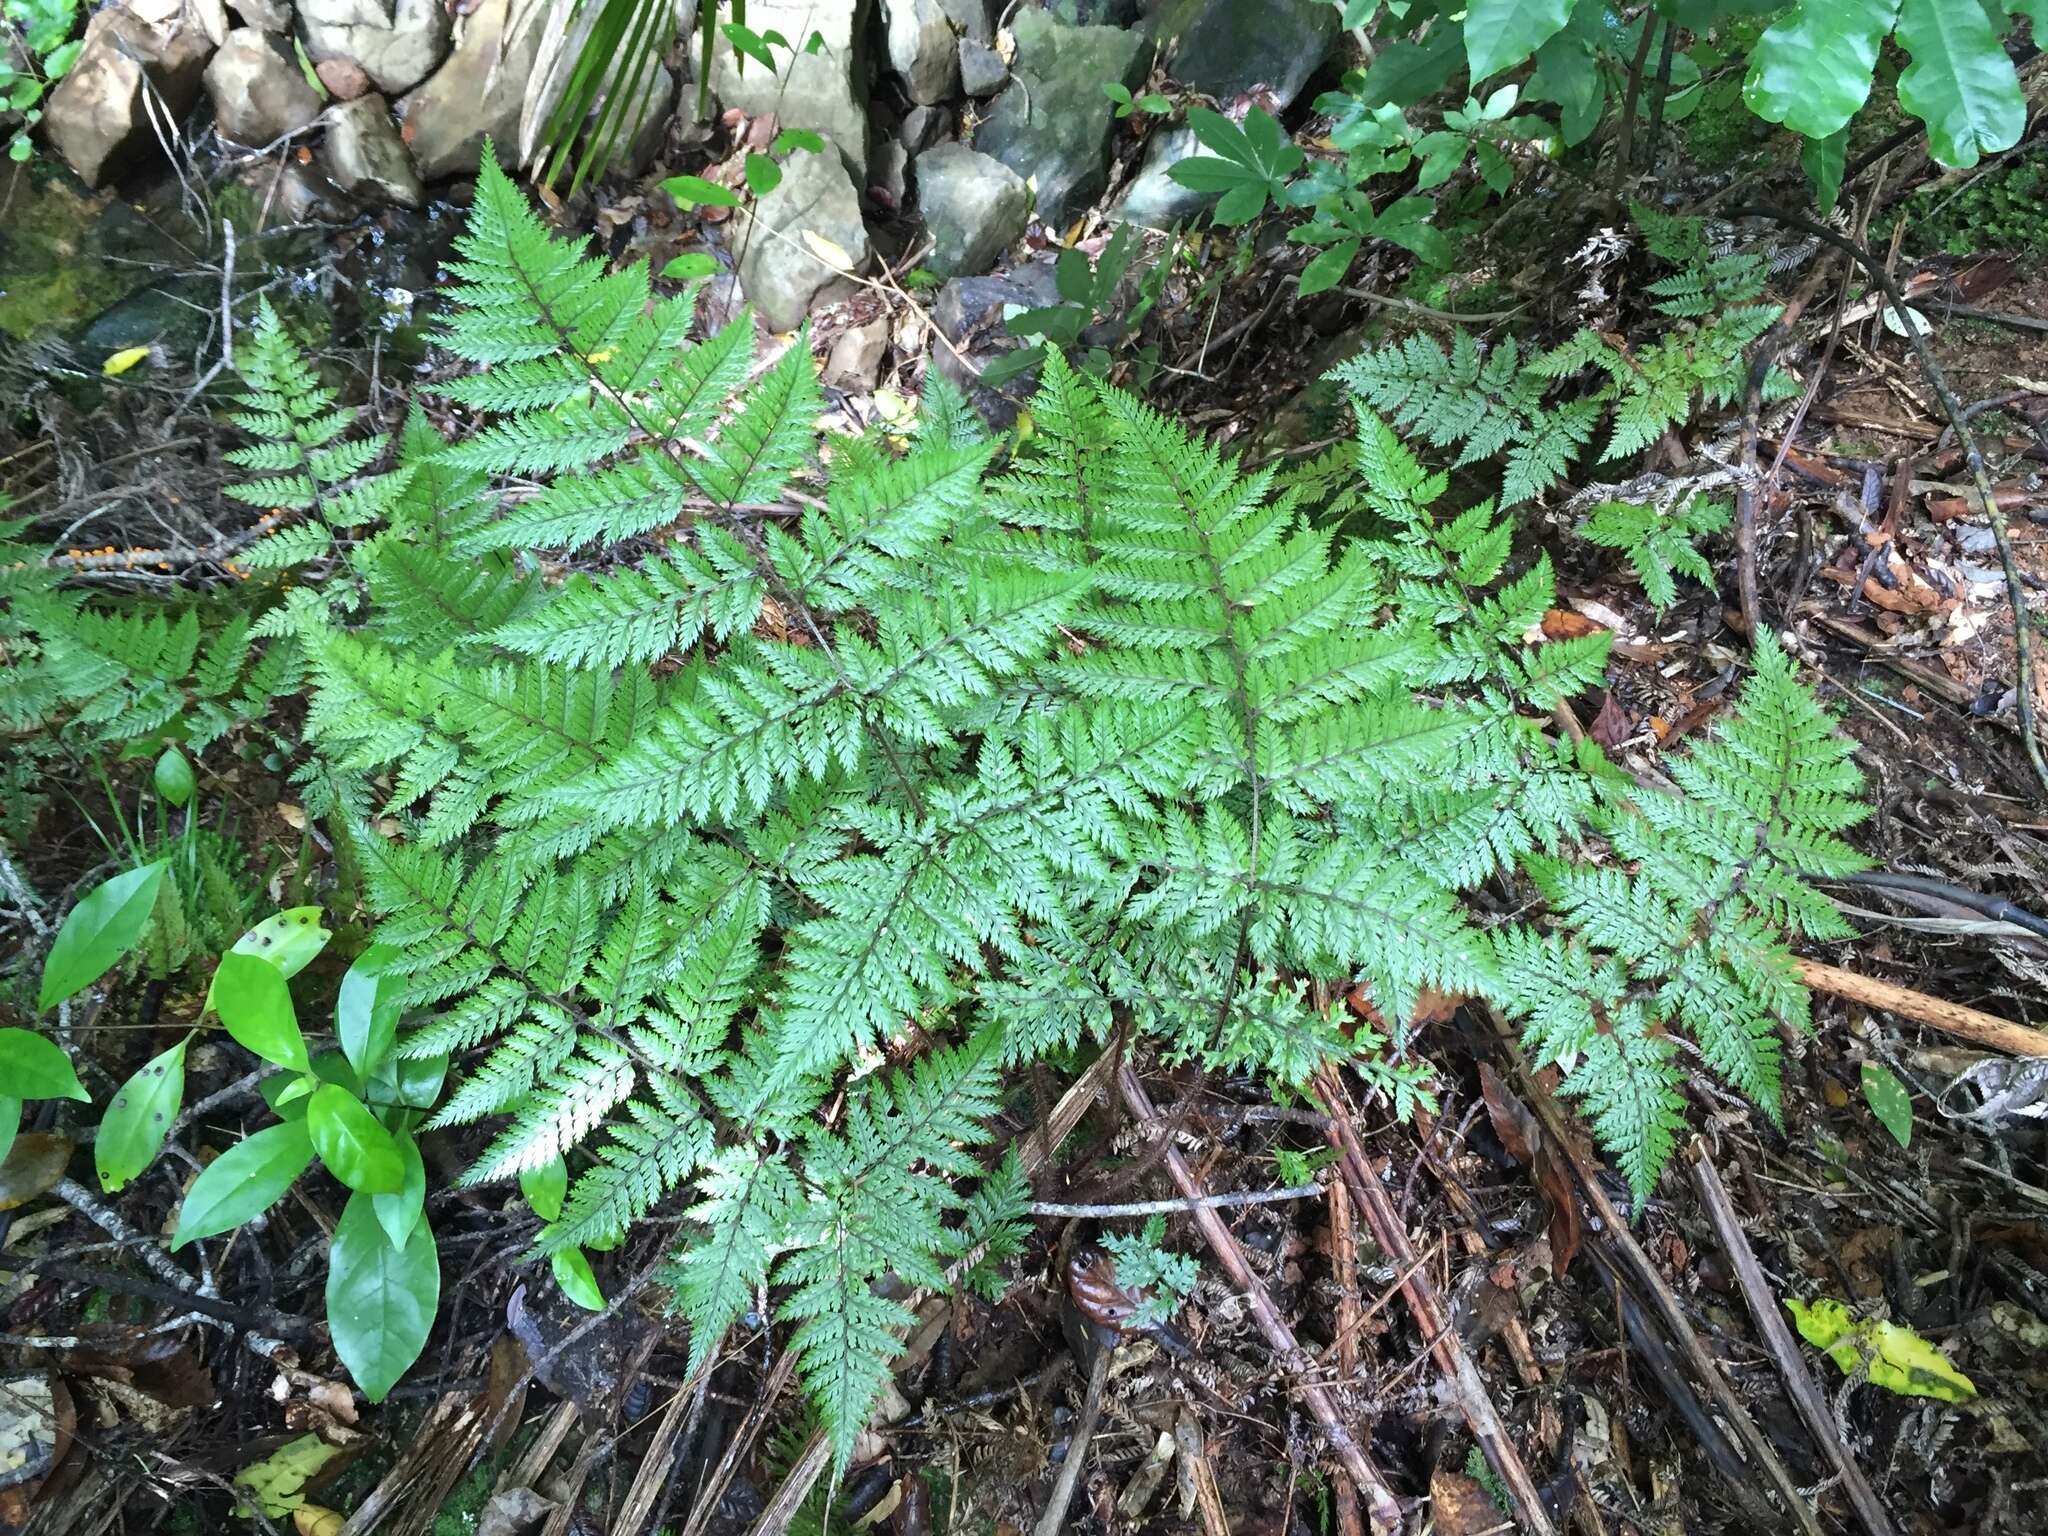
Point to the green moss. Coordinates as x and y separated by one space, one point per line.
2003 209
51 272
458 1517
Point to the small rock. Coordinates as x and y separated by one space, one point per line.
1154 200
982 70
1224 48
259 93
856 359
973 207
969 310
922 127
270 15
825 91
889 173
96 118
920 40
513 1512
1052 123
344 78
365 156
291 193
397 44
972 19
782 273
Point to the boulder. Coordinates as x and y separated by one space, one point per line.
259 92
397 42
270 15
973 207
1224 48
478 92
365 157
96 118
783 275
921 48
922 127
972 19
982 70
825 91
1154 200
856 360
1052 121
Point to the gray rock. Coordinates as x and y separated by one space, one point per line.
477 93
920 41
398 43
259 92
96 119
1094 13
922 127
973 207
970 312
1224 48
982 70
270 15
972 19
1052 122
1154 199
856 359
889 173
826 91
781 273
291 193
366 158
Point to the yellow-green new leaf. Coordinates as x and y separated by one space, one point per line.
1899 1359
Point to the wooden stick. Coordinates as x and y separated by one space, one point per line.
1055 1515
1384 1512
1770 1321
1431 1316
1344 1264
1985 1029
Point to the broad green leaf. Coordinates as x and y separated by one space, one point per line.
411 1082
1328 268
691 190
1440 154
255 1003
174 778
1406 73
34 1068
10 1123
286 1093
366 1010
763 174
573 1274
132 1131
1499 34
798 138
245 1179
1889 1101
1898 1359
544 1187
1960 82
380 1298
398 1214
691 264
290 940
356 1149
98 931
1822 160
1811 70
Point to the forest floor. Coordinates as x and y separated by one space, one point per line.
1636 1366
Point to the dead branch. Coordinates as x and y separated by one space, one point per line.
1978 1028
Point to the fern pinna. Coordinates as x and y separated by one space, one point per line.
852 773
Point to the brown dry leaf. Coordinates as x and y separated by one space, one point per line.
1612 726
34 1165
1523 1137
1460 1505
1563 624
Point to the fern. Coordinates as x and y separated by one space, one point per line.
1659 545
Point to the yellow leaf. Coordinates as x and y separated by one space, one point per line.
276 1483
1899 1359
314 1520
834 256
123 360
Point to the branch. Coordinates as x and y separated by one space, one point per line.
1174 1207
1985 1029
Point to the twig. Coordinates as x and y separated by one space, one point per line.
1616 1229
2016 592
1752 483
1170 1207
1969 1024
1431 1316
1770 1321
1385 1513
1409 306
1055 1515
1344 1263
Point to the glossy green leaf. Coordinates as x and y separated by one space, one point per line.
366 1009
573 1274
245 1179
35 1068
413 1082
356 1149
99 931
289 940
1960 82
691 264
132 1131
381 1298
692 190
174 778
1328 268
398 1214
1499 34
544 1187
1823 162
1889 1101
763 174
798 138
1811 70
255 1003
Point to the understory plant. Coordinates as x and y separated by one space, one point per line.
737 810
